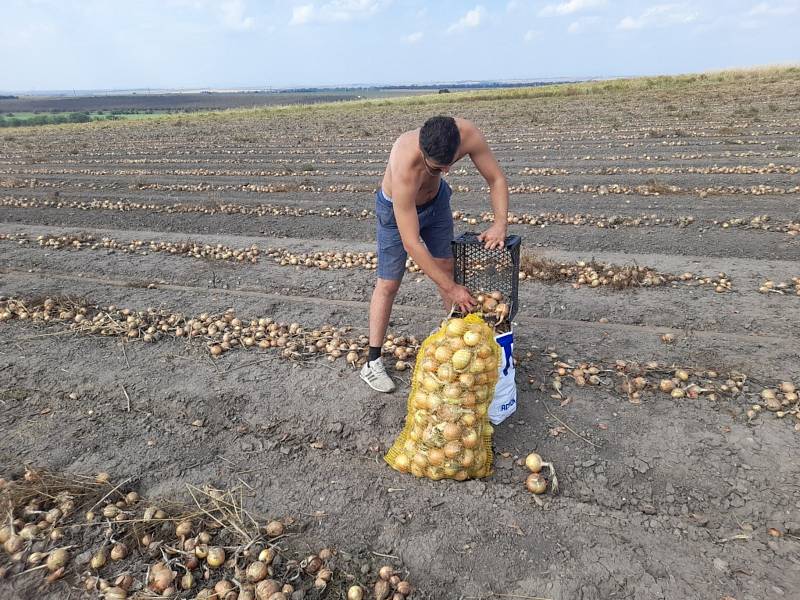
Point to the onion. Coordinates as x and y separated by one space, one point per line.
274 529
666 385
452 449
161 577
99 559
119 551
267 587
125 581
115 593
184 528
223 587
385 572
446 373
472 338
478 366
402 463
430 384
187 581
436 456
216 557
452 391
467 380
461 359
355 592
257 571
429 365
57 559
442 354
5 533
536 483
382 589
456 343
470 439
312 564
534 462
456 327
682 375
451 431
404 588
266 556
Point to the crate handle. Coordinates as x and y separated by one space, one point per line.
472 237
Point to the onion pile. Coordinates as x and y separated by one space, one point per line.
180 248
781 287
325 260
492 307
447 433
635 380
209 554
596 274
256 210
220 332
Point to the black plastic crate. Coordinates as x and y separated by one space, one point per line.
482 270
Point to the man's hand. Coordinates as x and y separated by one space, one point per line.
494 237
460 296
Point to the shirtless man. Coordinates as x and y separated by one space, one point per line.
412 206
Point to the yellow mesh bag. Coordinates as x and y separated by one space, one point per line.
447 434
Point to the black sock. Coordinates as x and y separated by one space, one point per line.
374 353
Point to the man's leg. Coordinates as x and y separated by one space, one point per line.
380 309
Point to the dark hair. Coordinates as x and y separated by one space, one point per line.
439 139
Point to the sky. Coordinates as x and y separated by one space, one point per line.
119 44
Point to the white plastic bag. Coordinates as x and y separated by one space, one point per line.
504 402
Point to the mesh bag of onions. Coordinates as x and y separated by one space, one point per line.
447 434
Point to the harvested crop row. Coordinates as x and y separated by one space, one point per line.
120 545
543 219
533 268
219 332
784 288
714 170
598 274
636 380
260 210
650 189
187 248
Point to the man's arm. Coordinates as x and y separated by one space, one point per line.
405 213
474 144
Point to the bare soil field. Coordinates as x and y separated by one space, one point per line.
188 101
661 227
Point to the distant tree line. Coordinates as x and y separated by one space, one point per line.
9 97
11 120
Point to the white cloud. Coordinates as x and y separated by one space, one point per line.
773 10
336 11
233 15
302 14
413 38
570 7
581 25
532 35
661 15
470 20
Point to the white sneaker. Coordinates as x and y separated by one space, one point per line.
374 373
